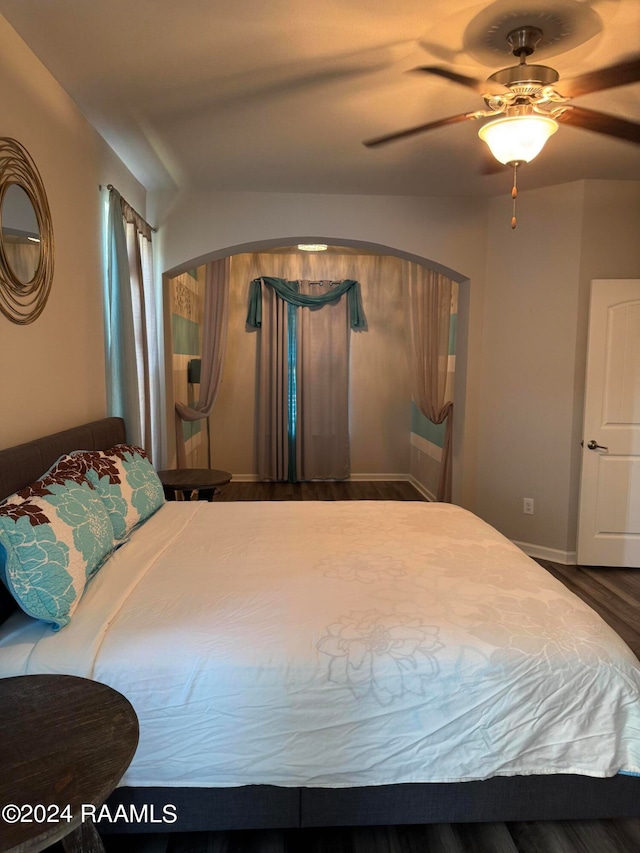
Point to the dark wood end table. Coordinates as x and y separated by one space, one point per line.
204 481
65 743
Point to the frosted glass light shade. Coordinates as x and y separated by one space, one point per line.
517 139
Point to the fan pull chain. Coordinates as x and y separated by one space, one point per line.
514 195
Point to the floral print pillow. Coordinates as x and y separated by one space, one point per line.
127 483
67 468
54 536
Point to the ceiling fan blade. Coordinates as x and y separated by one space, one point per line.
421 128
606 78
461 79
602 123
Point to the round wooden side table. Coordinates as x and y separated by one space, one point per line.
65 742
204 481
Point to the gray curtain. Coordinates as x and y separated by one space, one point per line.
273 389
322 447
428 322
303 366
214 344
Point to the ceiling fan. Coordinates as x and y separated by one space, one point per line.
525 106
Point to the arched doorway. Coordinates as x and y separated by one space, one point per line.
390 439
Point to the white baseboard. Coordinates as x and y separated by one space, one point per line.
555 555
391 478
253 478
422 488
367 478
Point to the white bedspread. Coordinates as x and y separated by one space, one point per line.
338 644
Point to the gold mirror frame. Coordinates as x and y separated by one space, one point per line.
22 302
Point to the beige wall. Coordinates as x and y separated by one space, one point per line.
52 372
448 232
533 354
610 249
379 409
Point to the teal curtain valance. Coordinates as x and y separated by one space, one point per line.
288 290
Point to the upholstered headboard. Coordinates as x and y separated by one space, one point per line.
24 463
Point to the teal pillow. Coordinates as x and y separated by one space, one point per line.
127 483
63 469
3 563
55 539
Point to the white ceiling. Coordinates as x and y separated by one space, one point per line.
277 95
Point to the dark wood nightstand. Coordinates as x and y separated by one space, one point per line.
64 741
204 481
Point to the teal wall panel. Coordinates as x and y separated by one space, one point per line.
186 336
425 429
186 341
190 428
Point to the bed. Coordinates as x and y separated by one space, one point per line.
325 663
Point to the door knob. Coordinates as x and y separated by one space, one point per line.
593 445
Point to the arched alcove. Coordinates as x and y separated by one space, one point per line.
274 243
364 248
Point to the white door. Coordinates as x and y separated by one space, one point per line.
609 524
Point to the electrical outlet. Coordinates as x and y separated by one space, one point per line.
527 506
419 457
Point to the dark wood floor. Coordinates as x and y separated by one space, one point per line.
397 490
613 593
614 836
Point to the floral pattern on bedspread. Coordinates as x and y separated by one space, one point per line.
361 567
382 655
509 613
553 632
364 644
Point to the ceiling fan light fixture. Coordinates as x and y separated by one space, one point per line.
312 247
517 139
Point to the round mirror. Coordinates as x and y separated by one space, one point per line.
20 233
26 236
